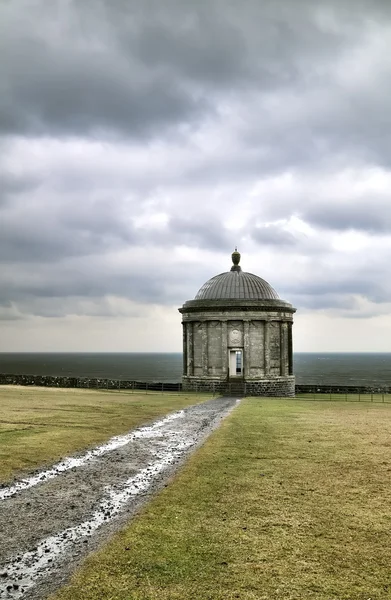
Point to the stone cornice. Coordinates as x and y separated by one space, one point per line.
200 306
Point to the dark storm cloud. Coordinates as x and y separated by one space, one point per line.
120 68
60 77
81 68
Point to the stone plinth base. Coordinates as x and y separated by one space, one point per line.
282 387
275 387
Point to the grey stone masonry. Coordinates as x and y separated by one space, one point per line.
278 387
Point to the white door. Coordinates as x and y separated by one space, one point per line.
235 363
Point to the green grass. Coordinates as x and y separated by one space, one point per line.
41 425
286 500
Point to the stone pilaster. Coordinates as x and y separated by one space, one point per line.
224 349
184 333
284 348
266 348
290 350
204 351
190 349
246 348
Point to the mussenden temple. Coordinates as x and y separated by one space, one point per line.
237 337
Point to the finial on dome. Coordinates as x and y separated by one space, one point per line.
236 260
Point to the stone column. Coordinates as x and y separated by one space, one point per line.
184 331
224 349
290 350
246 348
266 348
284 348
204 336
190 350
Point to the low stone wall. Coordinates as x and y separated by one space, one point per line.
86 382
272 387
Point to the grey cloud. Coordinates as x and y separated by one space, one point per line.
116 67
335 301
342 305
202 233
12 184
83 97
94 229
367 214
74 82
329 209
31 236
273 235
337 285
331 288
371 213
82 287
93 279
184 74
9 312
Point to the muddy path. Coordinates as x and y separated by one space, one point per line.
51 520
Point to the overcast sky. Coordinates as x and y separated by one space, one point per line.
141 141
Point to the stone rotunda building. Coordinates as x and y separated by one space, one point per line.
237 336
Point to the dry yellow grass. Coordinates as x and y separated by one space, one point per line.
288 500
41 425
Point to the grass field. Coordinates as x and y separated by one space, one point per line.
286 500
41 425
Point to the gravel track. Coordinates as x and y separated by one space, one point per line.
51 520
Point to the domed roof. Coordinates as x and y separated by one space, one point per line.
236 285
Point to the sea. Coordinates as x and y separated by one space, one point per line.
310 368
